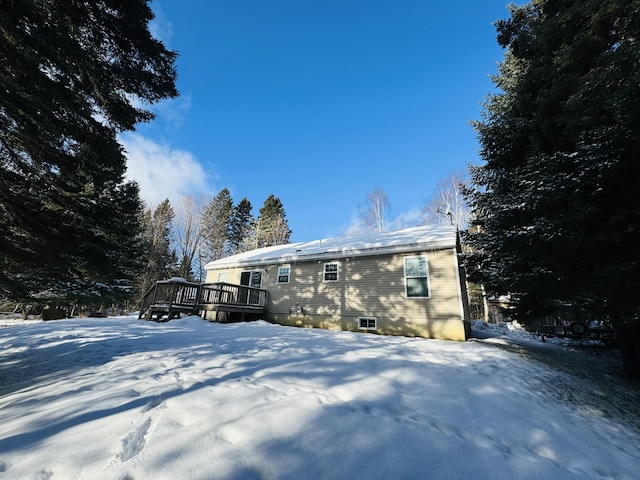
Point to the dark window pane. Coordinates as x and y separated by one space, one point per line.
417 287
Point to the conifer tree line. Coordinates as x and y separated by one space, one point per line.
180 245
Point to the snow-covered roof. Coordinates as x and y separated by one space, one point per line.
432 237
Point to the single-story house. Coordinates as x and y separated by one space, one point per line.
406 282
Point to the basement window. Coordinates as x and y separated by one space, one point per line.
367 323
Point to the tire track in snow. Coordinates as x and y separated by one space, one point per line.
602 390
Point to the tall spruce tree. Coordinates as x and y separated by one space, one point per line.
272 227
69 72
556 198
161 258
216 220
242 228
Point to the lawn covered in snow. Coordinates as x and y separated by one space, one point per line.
121 398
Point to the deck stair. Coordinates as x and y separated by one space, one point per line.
168 299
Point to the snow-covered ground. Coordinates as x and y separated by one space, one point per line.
120 398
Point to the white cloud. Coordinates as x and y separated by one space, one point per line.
355 227
162 172
173 110
407 219
160 27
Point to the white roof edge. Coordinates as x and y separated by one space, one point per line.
408 240
331 255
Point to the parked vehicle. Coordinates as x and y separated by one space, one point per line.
576 330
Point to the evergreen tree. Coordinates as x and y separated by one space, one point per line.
272 227
242 228
216 221
161 259
556 198
69 72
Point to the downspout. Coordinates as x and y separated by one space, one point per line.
461 296
459 284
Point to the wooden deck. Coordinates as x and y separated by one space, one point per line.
168 299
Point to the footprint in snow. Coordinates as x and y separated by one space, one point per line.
135 442
156 402
43 475
178 378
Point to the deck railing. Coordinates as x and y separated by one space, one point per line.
182 295
231 294
171 293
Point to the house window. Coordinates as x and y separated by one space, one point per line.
331 272
416 276
284 274
367 323
222 276
251 278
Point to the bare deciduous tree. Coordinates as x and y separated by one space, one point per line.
187 235
375 212
280 232
447 205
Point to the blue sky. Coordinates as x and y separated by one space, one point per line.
318 102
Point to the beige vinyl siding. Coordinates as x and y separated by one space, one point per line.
371 286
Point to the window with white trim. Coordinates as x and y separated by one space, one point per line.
367 323
284 273
222 276
416 277
330 272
